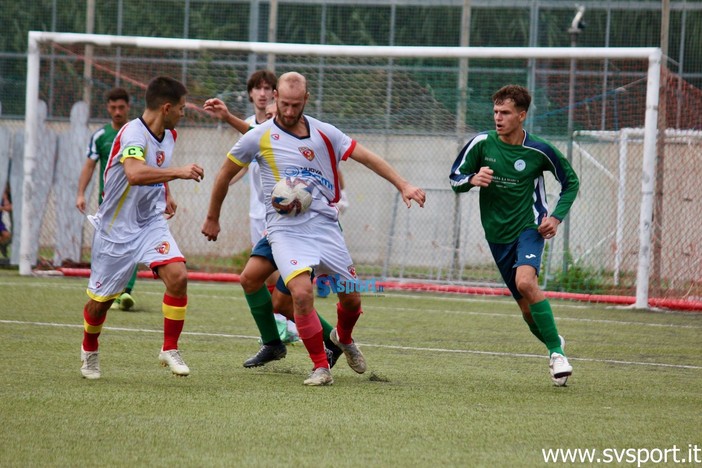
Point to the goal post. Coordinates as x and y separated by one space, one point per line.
212 51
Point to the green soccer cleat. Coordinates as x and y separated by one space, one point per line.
125 302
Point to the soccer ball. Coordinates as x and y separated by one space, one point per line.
291 196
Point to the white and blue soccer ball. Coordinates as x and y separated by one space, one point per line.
291 196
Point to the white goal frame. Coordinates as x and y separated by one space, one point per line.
652 54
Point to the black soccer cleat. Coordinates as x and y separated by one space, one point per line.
333 352
266 354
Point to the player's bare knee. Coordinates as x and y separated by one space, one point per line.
97 310
350 301
302 295
303 301
250 284
178 286
529 289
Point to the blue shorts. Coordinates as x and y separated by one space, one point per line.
526 250
263 249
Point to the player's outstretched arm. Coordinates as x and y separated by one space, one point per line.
381 167
139 173
211 227
218 109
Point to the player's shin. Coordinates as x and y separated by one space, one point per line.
92 327
543 317
310 329
326 326
347 319
261 308
534 329
173 309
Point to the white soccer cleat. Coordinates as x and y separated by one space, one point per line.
174 360
560 382
354 356
560 369
90 364
320 376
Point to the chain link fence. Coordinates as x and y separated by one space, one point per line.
414 113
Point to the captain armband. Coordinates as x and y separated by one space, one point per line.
133 152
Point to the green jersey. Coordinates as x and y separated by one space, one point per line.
515 200
99 150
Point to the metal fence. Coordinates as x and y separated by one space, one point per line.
475 23
415 112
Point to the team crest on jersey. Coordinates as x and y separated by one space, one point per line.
275 136
306 152
160 157
352 270
163 248
519 165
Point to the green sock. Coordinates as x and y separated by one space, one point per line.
326 327
535 330
262 311
543 317
130 285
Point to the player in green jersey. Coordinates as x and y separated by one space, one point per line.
508 165
99 151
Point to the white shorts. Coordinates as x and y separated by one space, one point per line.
316 245
257 226
112 264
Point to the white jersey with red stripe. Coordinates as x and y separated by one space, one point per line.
127 209
314 157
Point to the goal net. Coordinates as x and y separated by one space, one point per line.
416 107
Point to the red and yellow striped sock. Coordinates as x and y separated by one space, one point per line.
91 330
173 309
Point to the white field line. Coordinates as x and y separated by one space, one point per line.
404 348
436 298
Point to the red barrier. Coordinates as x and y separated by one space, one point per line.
673 304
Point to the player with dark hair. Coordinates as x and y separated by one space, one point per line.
98 151
296 144
260 87
508 165
130 226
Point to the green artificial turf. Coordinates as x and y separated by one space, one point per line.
452 381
